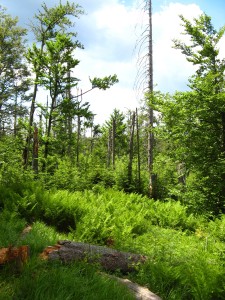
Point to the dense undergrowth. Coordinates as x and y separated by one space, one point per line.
186 252
39 279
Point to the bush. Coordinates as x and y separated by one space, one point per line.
11 227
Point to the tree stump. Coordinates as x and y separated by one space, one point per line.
14 254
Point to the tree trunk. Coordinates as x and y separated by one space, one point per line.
152 177
222 196
109 259
131 152
69 118
113 142
223 133
15 114
49 126
78 137
109 152
31 119
140 292
35 151
138 154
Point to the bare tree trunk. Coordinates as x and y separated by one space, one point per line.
32 110
223 132
222 196
35 151
113 142
131 152
152 177
140 292
69 119
138 154
109 150
78 137
49 128
29 134
15 115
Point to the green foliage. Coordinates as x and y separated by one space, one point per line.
216 228
41 280
78 178
104 83
11 227
51 20
180 266
167 177
62 210
14 180
101 176
54 280
185 252
185 248
200 112
14 74
40 237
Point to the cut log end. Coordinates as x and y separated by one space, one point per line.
14 254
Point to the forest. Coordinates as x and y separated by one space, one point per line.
151 188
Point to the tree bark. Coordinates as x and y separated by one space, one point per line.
109 259
35 151
222 196
138 154
140 292
109 150
131 150
113 142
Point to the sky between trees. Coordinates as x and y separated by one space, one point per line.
109 32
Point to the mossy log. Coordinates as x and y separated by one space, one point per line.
109 259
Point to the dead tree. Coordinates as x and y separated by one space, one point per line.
144 83
138 154
131 150
35 150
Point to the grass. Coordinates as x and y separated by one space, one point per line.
11 227
38 279
44 280
41 280
186 253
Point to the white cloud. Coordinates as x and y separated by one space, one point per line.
110 52
171 68
109 32
221 46
111 46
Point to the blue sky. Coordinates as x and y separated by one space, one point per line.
109 32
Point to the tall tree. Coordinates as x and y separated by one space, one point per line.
131 149
53 76
195 120
145 83
47 23
115 131
14 74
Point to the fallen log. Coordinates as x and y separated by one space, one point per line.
140 292
109 259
